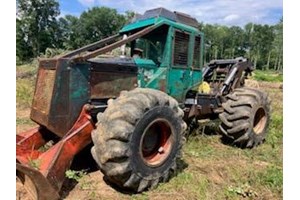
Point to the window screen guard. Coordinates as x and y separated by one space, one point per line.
181 47
196 59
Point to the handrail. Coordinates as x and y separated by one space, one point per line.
91 46
120 43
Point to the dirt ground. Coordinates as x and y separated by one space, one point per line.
210 169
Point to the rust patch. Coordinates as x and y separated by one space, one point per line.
162 85
44 90
109 85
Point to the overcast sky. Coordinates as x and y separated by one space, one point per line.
226 12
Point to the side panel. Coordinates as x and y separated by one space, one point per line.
188 76
62 89
153 78
41 103
70 94
178 81
109 79
196 78
180 75
108 84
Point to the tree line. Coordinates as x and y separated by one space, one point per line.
39 27
262 44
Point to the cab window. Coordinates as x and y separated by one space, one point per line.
196 59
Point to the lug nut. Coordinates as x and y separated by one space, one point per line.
161 150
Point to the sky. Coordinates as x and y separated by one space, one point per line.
225 12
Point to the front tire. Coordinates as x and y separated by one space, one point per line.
138 139
246 117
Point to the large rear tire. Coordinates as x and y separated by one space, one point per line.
138 139
246 117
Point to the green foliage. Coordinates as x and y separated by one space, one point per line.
269 76
40 33
262 44
91 26
223 42
278 46
23 46
242 190
50 52
24 121
25 89
36 27
75 175
275 131
34 163
25 84
272 177
129 15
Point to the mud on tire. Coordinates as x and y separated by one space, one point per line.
138 139
246 117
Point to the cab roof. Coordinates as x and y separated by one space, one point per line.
161 15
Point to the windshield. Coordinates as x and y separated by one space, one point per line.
151 46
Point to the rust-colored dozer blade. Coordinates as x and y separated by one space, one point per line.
43 171
35 183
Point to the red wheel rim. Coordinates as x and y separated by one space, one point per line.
156 142
260 121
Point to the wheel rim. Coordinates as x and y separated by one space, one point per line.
156 142
260 121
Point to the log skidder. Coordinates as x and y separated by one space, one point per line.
246 117
138 139
138 134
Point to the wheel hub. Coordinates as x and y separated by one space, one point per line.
260 121
156 143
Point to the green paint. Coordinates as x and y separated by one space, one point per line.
160 73
145 63
155 21
138 24
79 77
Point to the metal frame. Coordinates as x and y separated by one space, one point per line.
203 106
44 172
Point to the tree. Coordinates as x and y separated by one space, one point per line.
277 45
236 42
23 46
70 32
36 22
92 25
257 42
129 15
218 41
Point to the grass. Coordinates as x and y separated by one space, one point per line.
25 89
272 178
24 121
25 85
34 164
269 76
75 175
212 169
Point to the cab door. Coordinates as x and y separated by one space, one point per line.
180 76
